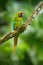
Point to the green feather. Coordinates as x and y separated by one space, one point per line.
18 21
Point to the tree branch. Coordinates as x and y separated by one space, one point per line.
21 28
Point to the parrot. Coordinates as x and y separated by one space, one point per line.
17 22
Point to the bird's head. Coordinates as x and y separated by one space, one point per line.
20 14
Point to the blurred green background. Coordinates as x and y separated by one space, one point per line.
30 43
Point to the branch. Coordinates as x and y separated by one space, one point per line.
21 28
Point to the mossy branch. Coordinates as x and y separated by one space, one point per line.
23 27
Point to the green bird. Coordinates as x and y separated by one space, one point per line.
18 21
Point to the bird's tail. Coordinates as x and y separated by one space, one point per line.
15 43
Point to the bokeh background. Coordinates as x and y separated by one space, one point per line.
30 43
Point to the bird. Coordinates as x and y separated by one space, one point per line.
17 22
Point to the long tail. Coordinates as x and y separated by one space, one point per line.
15 43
